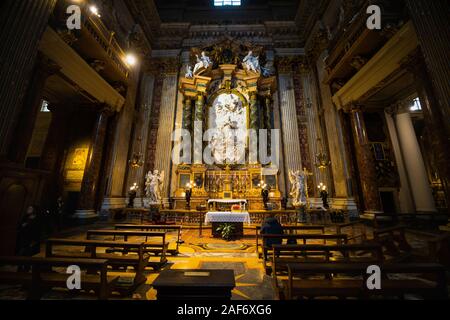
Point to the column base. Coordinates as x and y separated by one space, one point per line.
113 203
315 203
347 204
371 215
86 214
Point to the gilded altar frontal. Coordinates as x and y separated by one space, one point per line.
205 152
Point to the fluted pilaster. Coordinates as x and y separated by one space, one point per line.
163 153
289 124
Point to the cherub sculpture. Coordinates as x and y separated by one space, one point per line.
189 74
251 63
203 62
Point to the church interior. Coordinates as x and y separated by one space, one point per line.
224 149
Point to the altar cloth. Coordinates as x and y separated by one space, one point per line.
243 217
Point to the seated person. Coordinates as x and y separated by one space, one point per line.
271 226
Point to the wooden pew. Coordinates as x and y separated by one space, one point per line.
288 230
342 228
43 278
166 228
297 286
138 260
158 248
304 238
282 255
394 241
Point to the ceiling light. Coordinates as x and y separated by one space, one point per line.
131 59
94 10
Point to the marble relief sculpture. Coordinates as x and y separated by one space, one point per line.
298 187
228 117
203 62
153 184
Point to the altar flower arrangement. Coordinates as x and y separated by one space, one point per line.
236 208
226 231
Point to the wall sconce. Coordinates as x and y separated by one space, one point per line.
136 161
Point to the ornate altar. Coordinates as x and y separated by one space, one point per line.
230 92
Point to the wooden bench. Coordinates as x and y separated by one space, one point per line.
342 228
288 230
166 228
137 259
43 278
296 286
304 238
394 242
282 255
157 248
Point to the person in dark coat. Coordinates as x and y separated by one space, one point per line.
271 226
29 233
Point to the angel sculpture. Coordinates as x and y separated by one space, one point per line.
298 188
153 184
268 69
189 74
203 62
251 63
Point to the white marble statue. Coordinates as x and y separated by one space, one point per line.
189 74
203 62
251 63
153 184
298 187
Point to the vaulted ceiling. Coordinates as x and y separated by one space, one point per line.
151 14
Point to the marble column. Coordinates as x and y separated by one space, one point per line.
198 135
366 163
404 195
277 126
88 194
415 166
254 115
268 121
434 119
187 114
22 24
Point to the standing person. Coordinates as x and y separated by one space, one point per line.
29 233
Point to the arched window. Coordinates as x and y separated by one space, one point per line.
221 3
415 105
